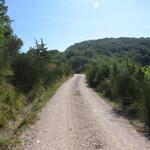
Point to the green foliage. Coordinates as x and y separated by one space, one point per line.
22 76
82 53
52 63
5 28
9 143
12 45
11 103
35 68
26 72
123 81
145 102
9 43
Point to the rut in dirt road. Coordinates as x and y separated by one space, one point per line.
77 119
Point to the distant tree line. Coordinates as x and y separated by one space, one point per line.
81 54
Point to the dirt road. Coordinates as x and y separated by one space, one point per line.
77 119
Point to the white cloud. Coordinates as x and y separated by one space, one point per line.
96 4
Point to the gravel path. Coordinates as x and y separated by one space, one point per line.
77 119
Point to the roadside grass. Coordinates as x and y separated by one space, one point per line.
9 143
38 105
13 141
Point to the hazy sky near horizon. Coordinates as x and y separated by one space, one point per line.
62 23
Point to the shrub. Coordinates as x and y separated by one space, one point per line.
145 102
26 73
124 82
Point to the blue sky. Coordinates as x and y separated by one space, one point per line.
62 23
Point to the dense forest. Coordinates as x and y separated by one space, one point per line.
24 77
118 69
82 53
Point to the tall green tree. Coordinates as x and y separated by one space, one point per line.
9 43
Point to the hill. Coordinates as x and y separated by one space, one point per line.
81 53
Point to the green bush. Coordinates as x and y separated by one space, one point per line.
145 102
125 82
26 73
